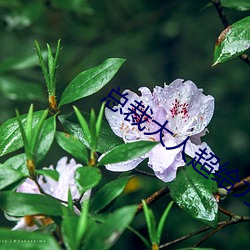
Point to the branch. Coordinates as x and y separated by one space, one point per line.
204 229
152 198
144 173
235 220
226 23
237 186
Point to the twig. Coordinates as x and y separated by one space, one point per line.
144 173
222 15
152 198
204 229
237 186
224 211
235 220
226 23
42 192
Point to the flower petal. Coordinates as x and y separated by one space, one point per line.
165 162
29 187
125 166
189 110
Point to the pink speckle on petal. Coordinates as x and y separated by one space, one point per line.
179 109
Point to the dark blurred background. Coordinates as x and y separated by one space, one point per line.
161 41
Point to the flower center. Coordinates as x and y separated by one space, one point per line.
180 110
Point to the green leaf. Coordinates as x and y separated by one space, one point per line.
194 194
69 230
92 127
127 152
108 193
99 121
162 221
8 176
233 41
151 223
10 136
74 228
82 223
20 204
143 239
19 90
87 177
241 5
73 146
18 162
107 139
37 132
46 137
105 235
43 65
16 240
90 81
84 125
53 174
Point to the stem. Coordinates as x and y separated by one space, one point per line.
152 198
235 220
237 186
226 23
144 173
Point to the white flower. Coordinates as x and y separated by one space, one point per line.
58 189
188 112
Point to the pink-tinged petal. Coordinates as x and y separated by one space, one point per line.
59 189
191 150
189 110
165 162
116 120
29 187
124 166
196 139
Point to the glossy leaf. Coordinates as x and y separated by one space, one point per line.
20 204
74 228
90 81
10 136
127 152
107 138
73 146
8 176
99 121
18 162
69 230
162 221
151 223
19 90
233 41
108 193
84 125
53 174
87 177
46 138
241 5
105 235
194 194
16 240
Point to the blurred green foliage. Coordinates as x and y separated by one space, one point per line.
161 41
